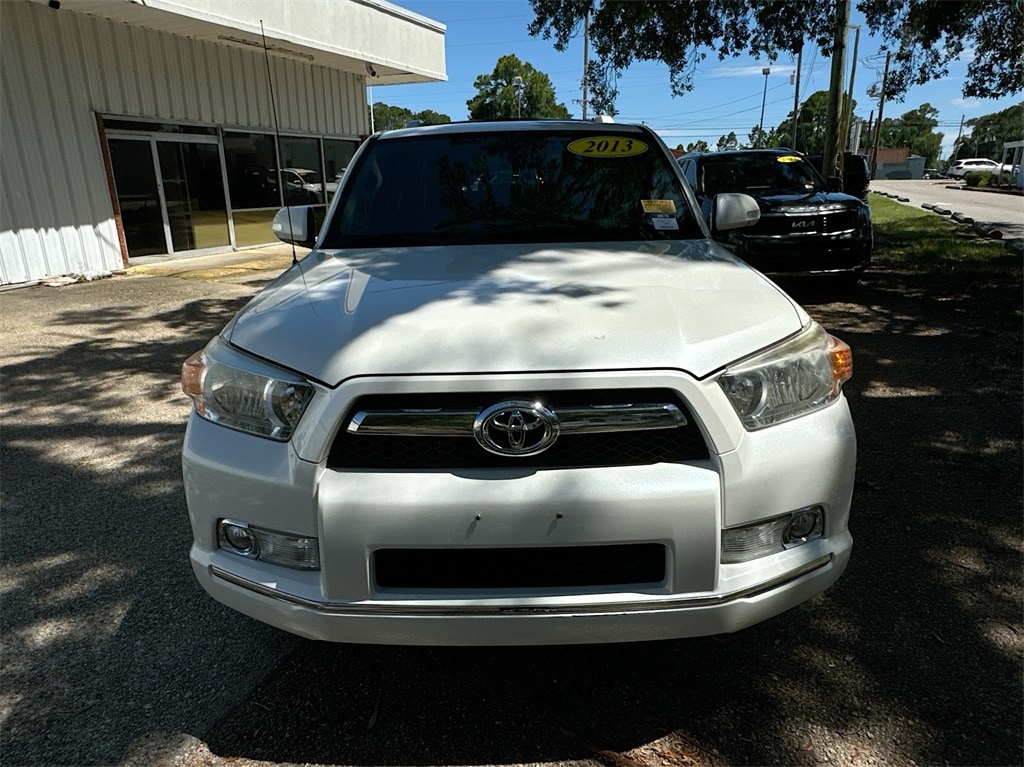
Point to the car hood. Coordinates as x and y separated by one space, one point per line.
514 308
771 202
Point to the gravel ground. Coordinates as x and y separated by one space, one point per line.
112 655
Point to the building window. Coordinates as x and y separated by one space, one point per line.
337 156
251 161
301 171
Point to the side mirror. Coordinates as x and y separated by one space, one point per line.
834 184
295 224
733 211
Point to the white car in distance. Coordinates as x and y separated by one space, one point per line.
516 394
962 167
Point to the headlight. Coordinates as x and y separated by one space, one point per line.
238 391
789 380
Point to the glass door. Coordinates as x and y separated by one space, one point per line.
193 185
138 196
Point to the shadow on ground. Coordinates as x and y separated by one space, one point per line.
915 656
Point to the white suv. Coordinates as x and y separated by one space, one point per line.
962 167
517 395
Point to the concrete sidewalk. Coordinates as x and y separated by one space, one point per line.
1000 211
247 267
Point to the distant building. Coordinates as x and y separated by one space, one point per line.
897 163
133 129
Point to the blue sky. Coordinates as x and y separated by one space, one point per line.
726 97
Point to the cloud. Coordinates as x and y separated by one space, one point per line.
752 70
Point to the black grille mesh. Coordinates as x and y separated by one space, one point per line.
549 567
380 452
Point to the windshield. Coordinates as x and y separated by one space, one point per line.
512 186
758 174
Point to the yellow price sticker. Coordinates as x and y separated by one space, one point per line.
788 158
607 146
658 206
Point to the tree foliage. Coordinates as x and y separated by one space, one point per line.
499 95
916 131
726 143
925 35
695 146
603 90
387 117
989 133
811 121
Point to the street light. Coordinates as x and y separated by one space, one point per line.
760 126
518 84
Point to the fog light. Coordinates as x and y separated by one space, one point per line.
236 537
297 552
742 544
804 525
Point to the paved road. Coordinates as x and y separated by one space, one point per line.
113 655
1004 211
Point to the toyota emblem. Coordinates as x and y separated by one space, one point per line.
516 428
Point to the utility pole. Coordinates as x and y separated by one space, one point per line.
586 58
834 118
956 144
760 127
881 106
848 120
796 96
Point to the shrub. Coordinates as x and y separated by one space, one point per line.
979 178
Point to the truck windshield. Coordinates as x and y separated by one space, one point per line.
515 186
758 173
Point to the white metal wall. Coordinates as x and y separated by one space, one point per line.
59 68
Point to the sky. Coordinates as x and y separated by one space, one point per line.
727 95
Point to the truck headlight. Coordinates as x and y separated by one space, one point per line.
241 392
799 375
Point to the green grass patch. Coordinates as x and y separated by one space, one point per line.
922 241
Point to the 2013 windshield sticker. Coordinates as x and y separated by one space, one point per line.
607 146
787 158
658 206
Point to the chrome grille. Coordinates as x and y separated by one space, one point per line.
435 432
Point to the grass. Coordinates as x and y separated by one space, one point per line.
919 240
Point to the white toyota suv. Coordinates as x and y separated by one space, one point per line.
517 395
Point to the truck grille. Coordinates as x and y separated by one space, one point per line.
435 431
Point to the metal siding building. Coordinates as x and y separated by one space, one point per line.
177 77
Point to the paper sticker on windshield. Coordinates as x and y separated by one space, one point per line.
787 158
663 224
607 146
658 206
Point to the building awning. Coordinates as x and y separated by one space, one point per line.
384 42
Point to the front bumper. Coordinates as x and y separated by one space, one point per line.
750 476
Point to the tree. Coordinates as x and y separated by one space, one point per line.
914 130
499 95
989 133
727 142
430 117
387 117
925 35
697 146
811 121
602 88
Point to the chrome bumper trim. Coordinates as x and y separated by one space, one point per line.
572 420
712 600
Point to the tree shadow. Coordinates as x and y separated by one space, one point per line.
914 656
106 634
